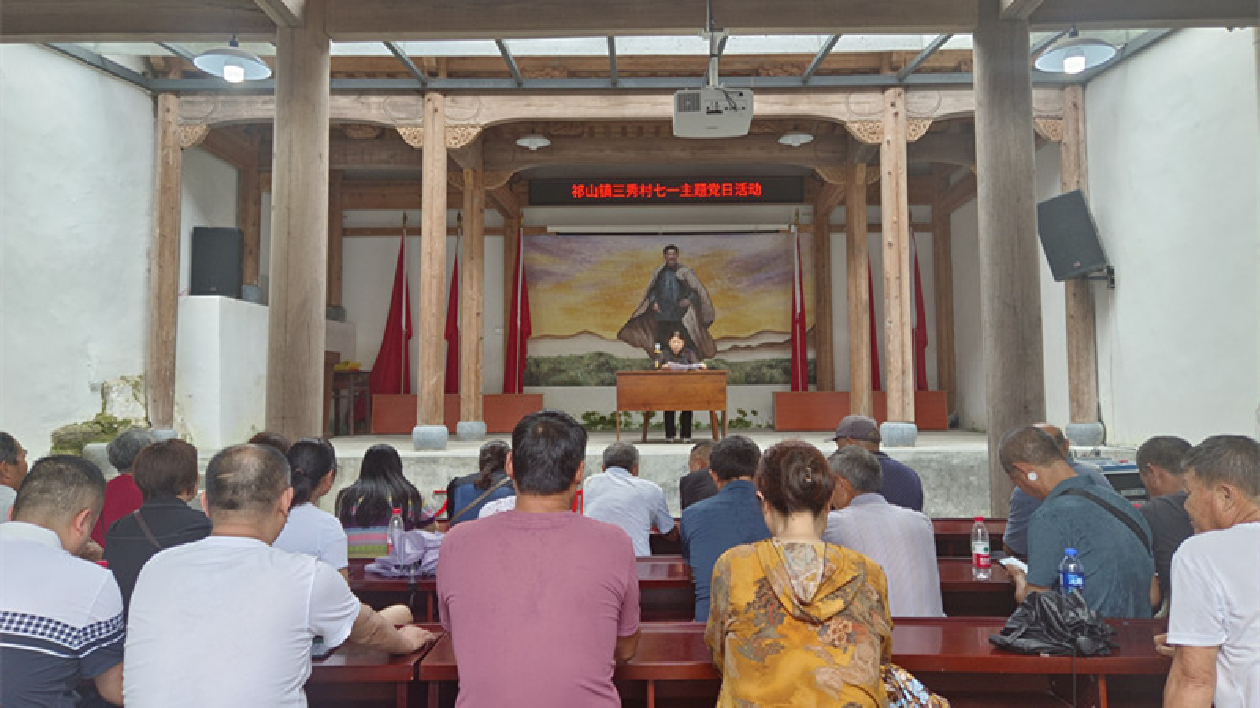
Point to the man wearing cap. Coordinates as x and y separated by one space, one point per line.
902 485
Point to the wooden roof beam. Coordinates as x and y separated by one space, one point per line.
35 21
285 13
1019 9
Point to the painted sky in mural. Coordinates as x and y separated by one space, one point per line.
592 282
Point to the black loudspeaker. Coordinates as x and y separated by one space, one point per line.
217 255
1069 236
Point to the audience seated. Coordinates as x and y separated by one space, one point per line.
1159 467
900 540
1214 622
61 619
12 472
166 473
122 496
540 601
1015 537
1111 538
228 620
364 507
310 529
697 484
795 620
729 518
902 485
617 496
467 495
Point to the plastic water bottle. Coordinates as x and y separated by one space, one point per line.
656 357
396 532
1071 572
980 564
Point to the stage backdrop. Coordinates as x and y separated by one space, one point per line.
583 288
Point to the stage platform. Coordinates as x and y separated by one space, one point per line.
953 464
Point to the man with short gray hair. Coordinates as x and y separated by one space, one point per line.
122 496
617 496
902 485
900 540
257 608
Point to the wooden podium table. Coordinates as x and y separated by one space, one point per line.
664 390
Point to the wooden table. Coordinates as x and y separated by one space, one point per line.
664 390
354 673
349 388
953 536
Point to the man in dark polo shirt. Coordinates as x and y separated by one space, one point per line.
1111 538
697 484
902 485
166 473
727 519
1159 467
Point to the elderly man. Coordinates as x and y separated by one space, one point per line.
1015 538
1214 624
617 496
540 602
62 618
122 496
12 472
1159 467
1111 538
675 301
229 620
730 518
697 484
902 485
900 540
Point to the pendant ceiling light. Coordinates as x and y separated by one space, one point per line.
533 141
1075 55
232 64
795 138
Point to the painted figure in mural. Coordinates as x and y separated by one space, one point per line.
675 300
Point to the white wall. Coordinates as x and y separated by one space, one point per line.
1173 153
76 220
207 198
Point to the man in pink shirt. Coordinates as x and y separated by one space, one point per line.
540 602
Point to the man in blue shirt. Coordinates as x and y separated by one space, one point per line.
902 485
727 519
1111 538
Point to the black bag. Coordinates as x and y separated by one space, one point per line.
1055 624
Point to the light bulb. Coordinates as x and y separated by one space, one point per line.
1074 62
233 73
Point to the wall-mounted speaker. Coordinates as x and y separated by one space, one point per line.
1069 236
217 261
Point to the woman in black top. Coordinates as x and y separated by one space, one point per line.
678 356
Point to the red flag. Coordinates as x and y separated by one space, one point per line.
519 328
800 359
919 333
870 302
452 332
392 371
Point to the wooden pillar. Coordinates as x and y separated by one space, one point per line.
895 210
249 221
1010 278
824 339
430 409
943 277
164 268
1082 360
336 229
299 229
861 400
511 236
472 291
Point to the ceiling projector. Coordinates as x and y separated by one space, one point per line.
712 112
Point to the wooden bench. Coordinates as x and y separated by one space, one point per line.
355 674
953 536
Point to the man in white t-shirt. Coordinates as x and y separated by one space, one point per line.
229 621
1214 622
617 496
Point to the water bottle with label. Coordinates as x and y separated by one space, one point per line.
980 561
396 532
1071 573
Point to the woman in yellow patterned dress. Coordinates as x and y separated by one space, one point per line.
796 621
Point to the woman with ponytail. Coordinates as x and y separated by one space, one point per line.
309 529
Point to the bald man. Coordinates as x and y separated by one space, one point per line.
229 620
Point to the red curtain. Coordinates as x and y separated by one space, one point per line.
876 385
519 328
392 371
800 360
920 332
452 332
